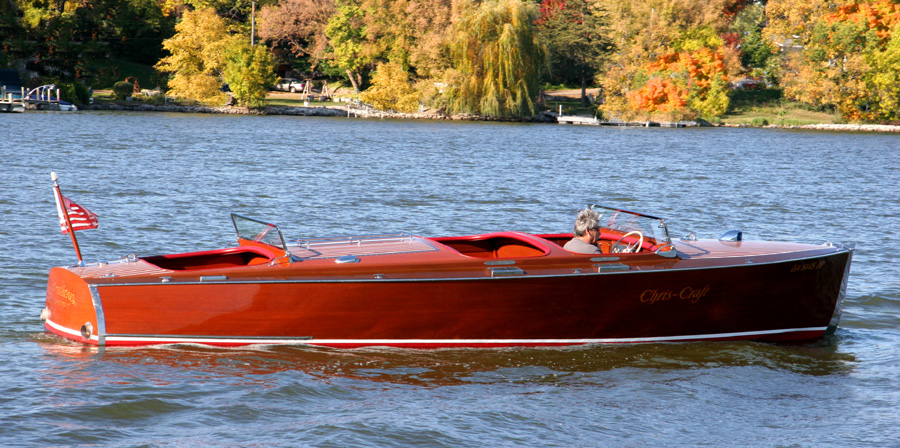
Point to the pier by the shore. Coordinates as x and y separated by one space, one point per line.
594 121
41 98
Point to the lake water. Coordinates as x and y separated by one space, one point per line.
166 183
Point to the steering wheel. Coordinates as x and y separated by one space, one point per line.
630 248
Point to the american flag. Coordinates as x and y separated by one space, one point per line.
81 217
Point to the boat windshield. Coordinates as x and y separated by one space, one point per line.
626 221
258 231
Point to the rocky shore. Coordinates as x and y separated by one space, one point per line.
233 110
848 127
827 127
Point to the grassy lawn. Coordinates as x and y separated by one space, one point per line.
766 106
782 116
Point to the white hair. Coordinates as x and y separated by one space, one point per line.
586 219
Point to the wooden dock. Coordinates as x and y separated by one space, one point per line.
40 98
11 102
11 106
574 119
593 121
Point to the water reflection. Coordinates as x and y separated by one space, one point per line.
442 367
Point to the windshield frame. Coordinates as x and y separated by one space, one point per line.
261 232
623 221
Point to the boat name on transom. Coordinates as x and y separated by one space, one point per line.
67 296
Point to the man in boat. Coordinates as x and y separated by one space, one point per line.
587 232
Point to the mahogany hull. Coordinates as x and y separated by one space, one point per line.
794 296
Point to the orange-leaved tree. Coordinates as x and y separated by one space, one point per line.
687 81
669 49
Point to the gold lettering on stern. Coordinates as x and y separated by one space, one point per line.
690 294
67 296
693 294
808 266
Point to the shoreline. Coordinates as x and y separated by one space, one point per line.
357 112
348 111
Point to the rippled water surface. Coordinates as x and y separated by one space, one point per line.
166 183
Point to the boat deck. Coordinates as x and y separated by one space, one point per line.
742 249
388 244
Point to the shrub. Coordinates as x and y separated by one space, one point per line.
759 121
391 89
123 89
248 72
73 92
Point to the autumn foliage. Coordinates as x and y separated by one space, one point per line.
879 17
658 95
847 58
652 59
683 84
673 62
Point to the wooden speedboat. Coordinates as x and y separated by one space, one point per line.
488 290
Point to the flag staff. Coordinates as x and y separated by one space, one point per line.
60 205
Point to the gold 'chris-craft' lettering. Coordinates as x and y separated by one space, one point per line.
688 293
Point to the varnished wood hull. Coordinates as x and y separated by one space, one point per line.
773 295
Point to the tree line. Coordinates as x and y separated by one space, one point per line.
652 59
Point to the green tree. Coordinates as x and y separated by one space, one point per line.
885 76
391 90
249 71
197 57
577 39
63 40
497 59
346 31
759 54
135 28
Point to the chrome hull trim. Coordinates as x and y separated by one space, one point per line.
101 320
172 282
842 295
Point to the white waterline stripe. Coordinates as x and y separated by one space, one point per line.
263 340
76 334
62 329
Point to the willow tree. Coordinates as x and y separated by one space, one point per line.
497 59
